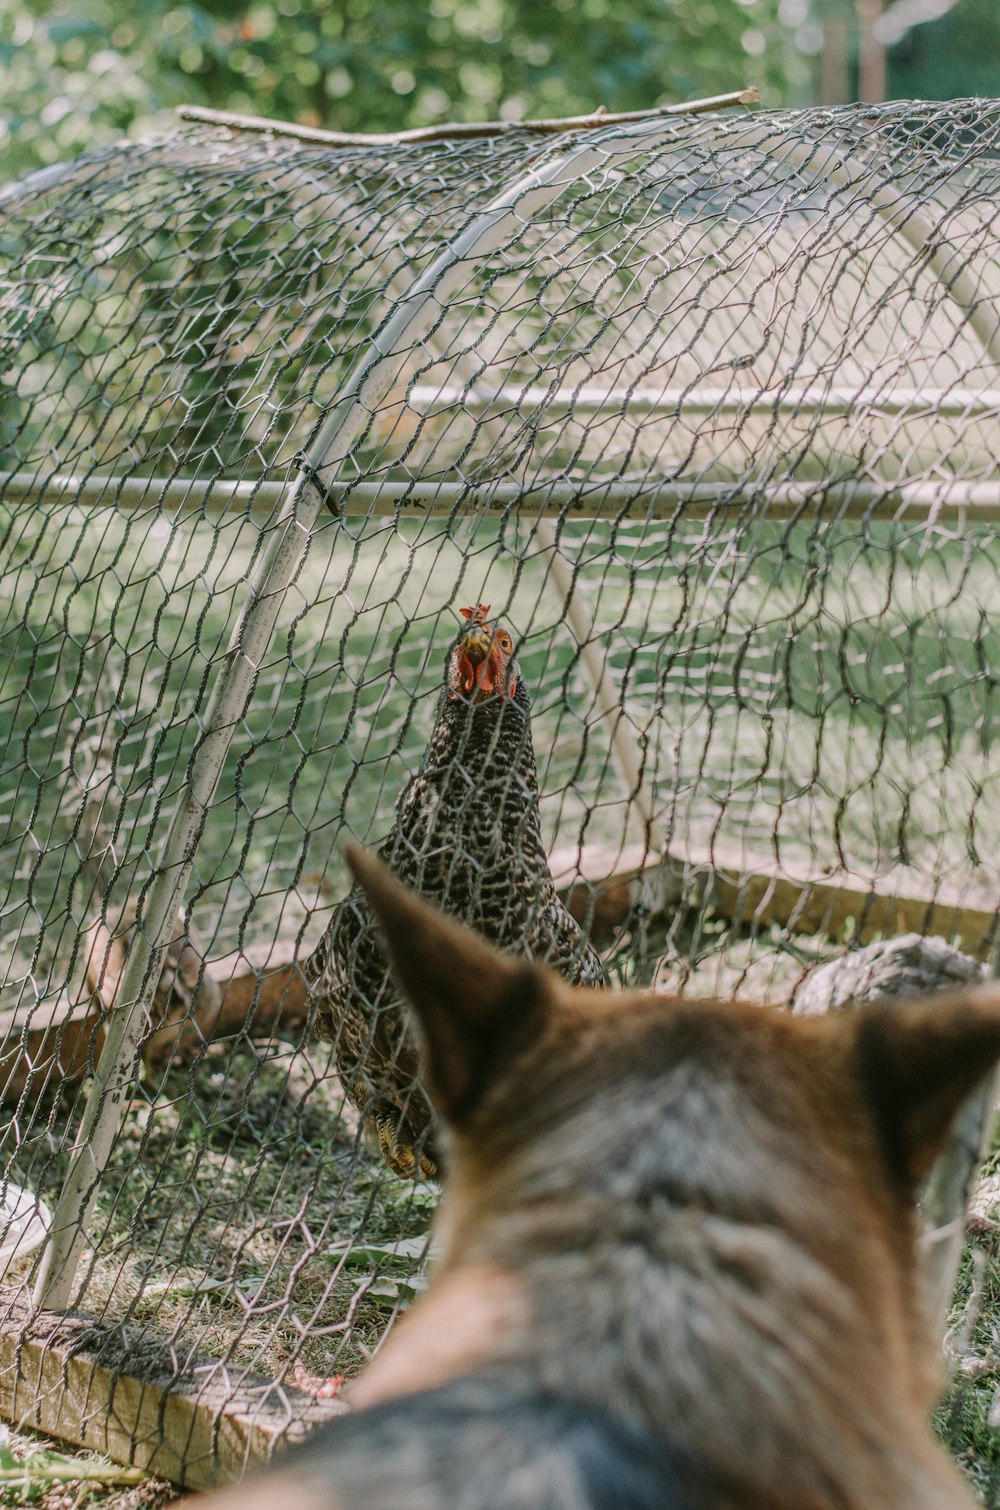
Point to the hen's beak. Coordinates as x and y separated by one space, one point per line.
477 668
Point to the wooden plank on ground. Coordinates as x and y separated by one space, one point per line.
603 888
263 989
50 1043
112 1390
747 890
55 1044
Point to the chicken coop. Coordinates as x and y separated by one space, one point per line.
704 404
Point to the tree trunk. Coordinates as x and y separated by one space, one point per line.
871 53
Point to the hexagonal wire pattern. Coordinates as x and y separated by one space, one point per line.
705 408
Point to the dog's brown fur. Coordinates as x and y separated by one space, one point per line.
691 1222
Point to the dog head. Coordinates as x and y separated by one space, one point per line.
575 1118
509 1050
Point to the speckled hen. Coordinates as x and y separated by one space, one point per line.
467 835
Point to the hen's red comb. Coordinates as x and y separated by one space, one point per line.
478 615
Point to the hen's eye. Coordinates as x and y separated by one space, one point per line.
504 641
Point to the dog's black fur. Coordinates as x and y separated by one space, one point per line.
491 1439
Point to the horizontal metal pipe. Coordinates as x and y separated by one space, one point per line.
918 403
594 499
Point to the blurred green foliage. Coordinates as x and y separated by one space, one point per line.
954 55
78 73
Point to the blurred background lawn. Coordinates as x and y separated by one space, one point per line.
78 73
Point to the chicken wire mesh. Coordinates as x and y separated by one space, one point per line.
705 408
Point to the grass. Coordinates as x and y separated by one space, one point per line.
785 695
240 1218
35 1471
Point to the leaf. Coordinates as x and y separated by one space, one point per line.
387 1293
385 1255
186 1284
383 1289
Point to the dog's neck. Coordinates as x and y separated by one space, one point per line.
772 1404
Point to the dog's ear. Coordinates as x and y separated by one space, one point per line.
474 1006
918 1061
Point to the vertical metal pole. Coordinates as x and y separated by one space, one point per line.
949 1188
608 705
116 1067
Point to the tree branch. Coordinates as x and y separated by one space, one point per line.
460 130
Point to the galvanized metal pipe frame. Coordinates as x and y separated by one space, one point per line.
740 398
955 499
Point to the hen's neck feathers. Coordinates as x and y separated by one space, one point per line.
489 741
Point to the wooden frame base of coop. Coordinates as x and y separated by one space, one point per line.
110 1390
603 888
